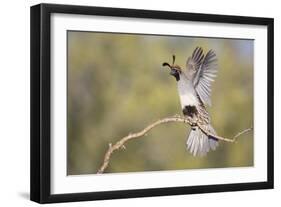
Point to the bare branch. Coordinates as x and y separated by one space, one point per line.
121 143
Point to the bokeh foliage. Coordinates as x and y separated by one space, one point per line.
117 85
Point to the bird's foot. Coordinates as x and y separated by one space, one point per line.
193 122
193 125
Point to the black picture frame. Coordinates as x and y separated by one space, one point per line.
41 98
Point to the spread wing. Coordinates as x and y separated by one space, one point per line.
205 75
194 62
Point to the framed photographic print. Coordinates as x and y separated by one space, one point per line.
133 103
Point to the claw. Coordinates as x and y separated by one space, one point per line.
193 124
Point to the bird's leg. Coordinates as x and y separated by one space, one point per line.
190 114
193 121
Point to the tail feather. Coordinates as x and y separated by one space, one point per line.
198 143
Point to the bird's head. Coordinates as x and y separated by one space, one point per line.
175 70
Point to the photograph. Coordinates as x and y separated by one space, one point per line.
140 103
130 103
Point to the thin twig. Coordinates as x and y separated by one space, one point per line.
121 143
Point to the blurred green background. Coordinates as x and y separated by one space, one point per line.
117 85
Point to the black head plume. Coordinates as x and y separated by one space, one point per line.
175 69
167 64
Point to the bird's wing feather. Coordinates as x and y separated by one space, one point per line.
194 62
204 76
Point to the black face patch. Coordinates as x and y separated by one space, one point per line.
175 73
189 111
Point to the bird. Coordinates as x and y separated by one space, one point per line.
194 89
